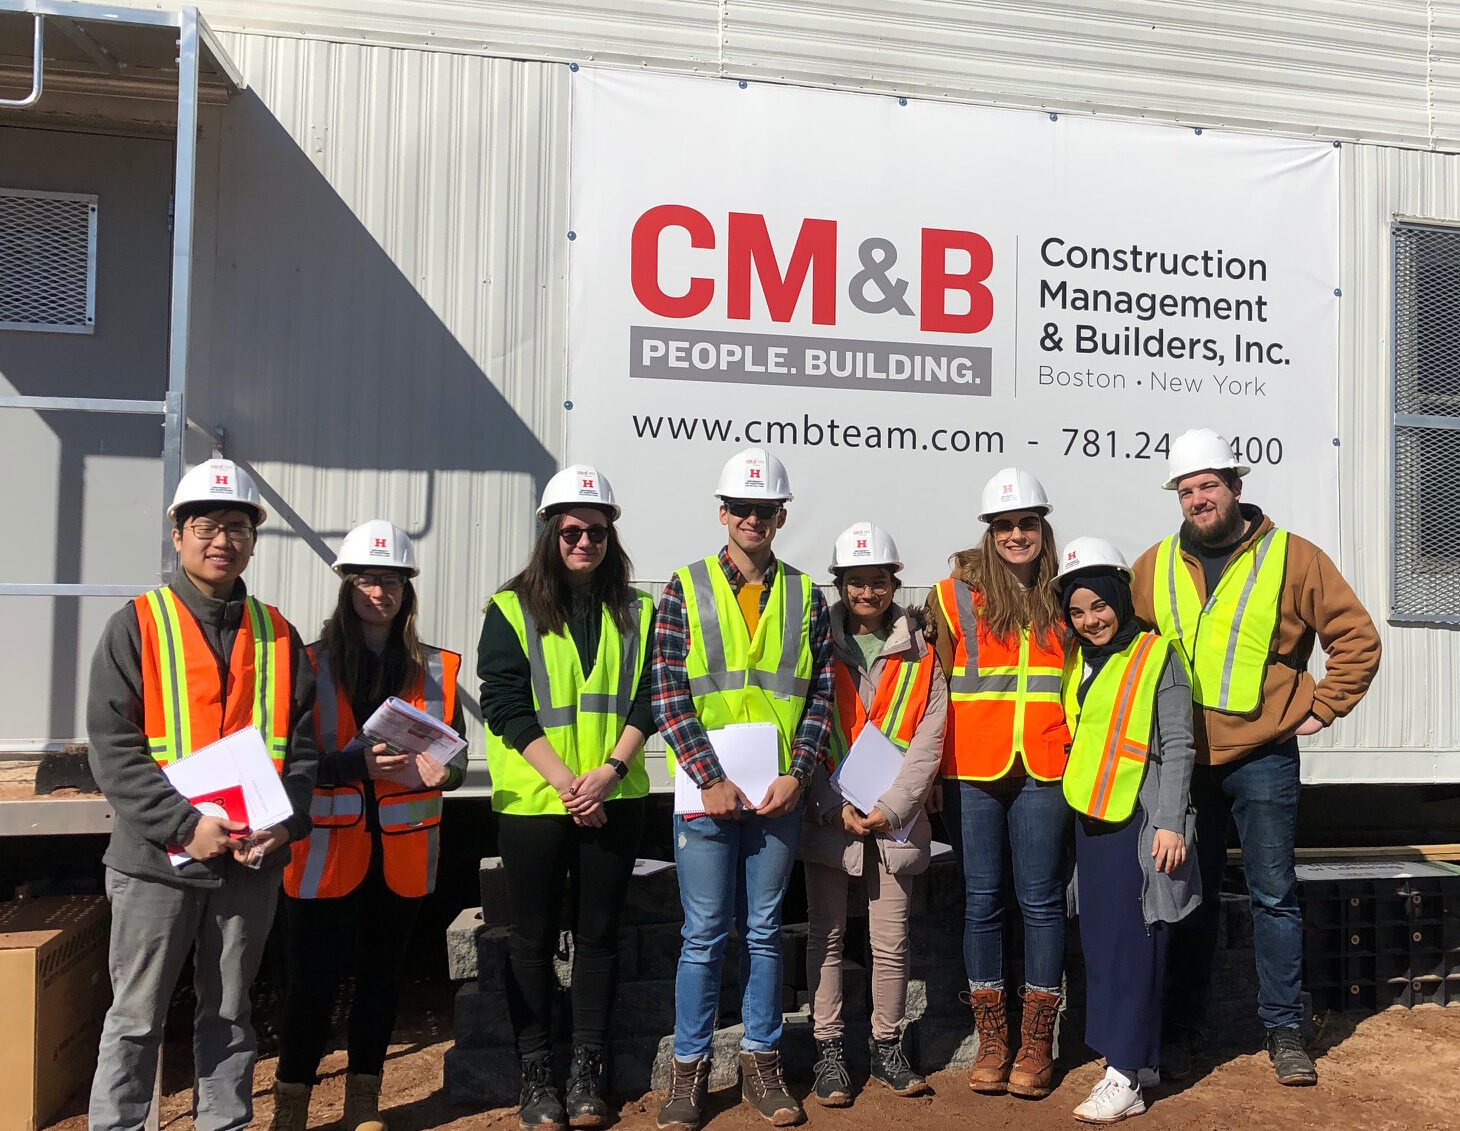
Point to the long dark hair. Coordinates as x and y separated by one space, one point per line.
343 641
543 587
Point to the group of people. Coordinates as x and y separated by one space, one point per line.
1038 689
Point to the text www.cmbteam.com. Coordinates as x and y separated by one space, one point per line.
808 433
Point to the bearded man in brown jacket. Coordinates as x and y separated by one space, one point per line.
1260 597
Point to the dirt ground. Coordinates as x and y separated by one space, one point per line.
1395 1070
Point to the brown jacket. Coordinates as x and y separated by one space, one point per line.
1316 602
905 800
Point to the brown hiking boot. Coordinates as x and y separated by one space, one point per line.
684 1107
989 1072
291 1107
764 1088
362 1104
1033 1071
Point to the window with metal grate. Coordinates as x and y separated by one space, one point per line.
47 261
1426 548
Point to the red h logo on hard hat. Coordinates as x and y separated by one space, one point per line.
1073 556
588 484
754 473
380 543
220 480
861 543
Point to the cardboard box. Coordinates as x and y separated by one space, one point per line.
55 986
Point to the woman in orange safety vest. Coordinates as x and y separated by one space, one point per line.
353 888
998 637
886 682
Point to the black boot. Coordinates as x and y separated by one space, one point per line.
833 1086
587 1102
541 1105
890 1066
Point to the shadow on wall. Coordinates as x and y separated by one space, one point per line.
322 352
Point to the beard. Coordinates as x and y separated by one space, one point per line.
1227 528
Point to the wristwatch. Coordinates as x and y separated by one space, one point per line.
620 767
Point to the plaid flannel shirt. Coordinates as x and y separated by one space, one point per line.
674 709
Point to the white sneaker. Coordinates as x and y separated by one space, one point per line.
1111 1100
1148 1077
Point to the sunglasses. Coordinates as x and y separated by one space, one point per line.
570 534
1027 525
763 511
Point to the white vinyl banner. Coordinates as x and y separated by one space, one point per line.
901 300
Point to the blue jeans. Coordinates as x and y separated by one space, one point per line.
731 868
991 824
1261 793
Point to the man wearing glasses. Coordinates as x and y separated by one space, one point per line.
1246 600
177 669
739 637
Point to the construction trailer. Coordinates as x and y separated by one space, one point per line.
332 241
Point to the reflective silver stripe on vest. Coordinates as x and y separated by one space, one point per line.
319 851
1046 684
628 668
1173 554
547 714
349 804
412 813
433 851
1229 660
434 676
326 700
182 744
781 683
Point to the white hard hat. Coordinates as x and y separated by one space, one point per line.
578 486
1089 553
377 543
754 474
1012 490
1199 449
221 483
863 544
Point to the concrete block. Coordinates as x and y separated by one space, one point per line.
653 895
945 888
631 1064
461 944
493 881
481 1077
644 1009
628 954
793 954
658 949
479 1017
935 1044
1236 922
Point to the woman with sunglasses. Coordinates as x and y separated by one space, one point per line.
354 886
1128 701
566 704
998 637
885 678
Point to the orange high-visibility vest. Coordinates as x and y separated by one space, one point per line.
333 860
185 704
1003 697
898 704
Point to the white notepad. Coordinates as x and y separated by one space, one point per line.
220 770
868 771
750 756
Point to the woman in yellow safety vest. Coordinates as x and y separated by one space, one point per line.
1128 701
885 677
354 885
565 697
999 639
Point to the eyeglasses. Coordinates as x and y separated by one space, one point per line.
881 585
205 530
390 582
1027 525
742 509
570 534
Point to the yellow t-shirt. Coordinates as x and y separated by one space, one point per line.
749 600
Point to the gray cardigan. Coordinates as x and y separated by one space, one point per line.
824 843
1164 802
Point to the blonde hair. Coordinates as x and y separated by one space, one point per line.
1007 604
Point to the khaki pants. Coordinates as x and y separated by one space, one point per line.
887 920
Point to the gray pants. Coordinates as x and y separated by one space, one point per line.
154 926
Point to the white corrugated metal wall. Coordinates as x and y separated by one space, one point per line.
386 283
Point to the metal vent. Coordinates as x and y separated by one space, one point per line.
1426 559
47 261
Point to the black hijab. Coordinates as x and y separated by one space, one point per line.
1111 586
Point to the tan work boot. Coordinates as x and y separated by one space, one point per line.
684 1107
764 1088
291 1107
362 1104
989 1072
1033 1071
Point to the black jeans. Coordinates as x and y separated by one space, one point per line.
365 932
539 853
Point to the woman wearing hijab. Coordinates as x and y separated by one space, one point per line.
1127 701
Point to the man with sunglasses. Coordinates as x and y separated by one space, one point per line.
176 669
739 637
1245 601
